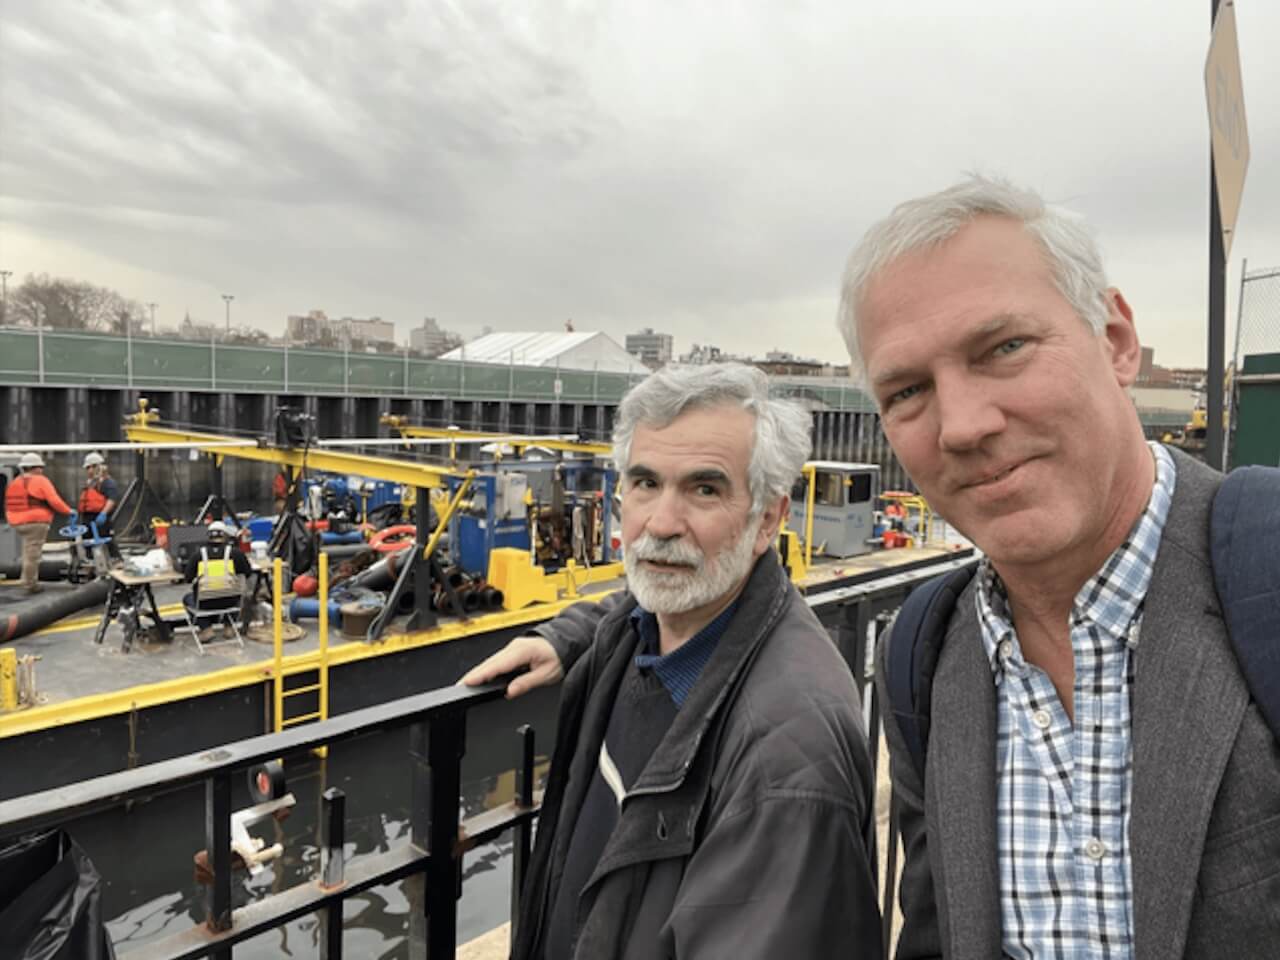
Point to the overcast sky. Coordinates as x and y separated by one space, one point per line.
700 168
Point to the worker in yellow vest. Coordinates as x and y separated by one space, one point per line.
215 567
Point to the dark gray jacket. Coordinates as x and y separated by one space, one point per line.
743 837
1205 820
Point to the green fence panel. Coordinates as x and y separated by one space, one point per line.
487 380
250 368
535 383
18 362
376 374
434 377
168 363
318 371
77 358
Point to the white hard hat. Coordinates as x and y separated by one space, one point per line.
30 460
219 527
94 459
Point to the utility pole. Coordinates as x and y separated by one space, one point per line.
153 317
228 297
1217 310
4 295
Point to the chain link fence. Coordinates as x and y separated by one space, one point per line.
1258 319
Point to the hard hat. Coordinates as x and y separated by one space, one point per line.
218 527
94 459
30 460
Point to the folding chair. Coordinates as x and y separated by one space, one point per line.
209 607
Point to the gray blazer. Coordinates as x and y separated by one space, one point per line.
1205 823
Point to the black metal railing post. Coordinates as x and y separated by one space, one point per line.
430 864
217 838
447 735
522 842
333 863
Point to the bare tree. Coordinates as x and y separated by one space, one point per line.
65 304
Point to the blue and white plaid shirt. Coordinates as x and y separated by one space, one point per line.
1063 792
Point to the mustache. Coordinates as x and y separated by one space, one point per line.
649 547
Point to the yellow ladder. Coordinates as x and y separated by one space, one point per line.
314 671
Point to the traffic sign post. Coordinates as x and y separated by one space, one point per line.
1228 163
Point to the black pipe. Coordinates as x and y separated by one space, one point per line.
491 598
51 570
341 551
407 603
380 576
42 611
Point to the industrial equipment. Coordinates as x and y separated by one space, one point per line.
840 499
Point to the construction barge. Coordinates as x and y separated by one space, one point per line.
500 532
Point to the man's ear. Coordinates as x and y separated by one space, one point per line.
770 521
1122 341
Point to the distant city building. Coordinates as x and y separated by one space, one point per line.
581 350
1146 365
316 327
372 330
783 364
704 353
1190 378
191 330
654 349
430 340
1151 374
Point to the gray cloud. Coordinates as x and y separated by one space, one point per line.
699 168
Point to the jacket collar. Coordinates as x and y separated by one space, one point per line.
759 605
1188 703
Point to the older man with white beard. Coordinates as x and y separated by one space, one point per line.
709 791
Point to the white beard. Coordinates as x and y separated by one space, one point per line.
704 582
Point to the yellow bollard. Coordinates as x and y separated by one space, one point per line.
8 679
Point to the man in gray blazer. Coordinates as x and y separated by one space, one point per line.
1098 783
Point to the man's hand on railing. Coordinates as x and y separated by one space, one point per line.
531 655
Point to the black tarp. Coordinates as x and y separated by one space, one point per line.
50 901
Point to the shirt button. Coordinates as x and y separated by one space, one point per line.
1006 649
1095 849
1042 719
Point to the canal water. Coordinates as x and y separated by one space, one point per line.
145 854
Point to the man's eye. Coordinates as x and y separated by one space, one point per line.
906 393
706 490
1010 346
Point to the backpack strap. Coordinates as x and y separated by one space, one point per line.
1244 537
915 642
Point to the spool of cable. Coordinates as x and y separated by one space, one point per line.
266 781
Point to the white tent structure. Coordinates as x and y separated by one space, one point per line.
566 351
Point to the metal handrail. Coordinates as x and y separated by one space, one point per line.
437 722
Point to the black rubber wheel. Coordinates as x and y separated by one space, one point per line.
266 781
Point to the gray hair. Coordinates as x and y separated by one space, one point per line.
929 221
782 442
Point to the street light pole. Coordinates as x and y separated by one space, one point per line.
4 295
228 298
153 317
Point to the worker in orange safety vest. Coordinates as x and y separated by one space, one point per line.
30 503
99 494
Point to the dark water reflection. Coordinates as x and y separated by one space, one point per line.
145 854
